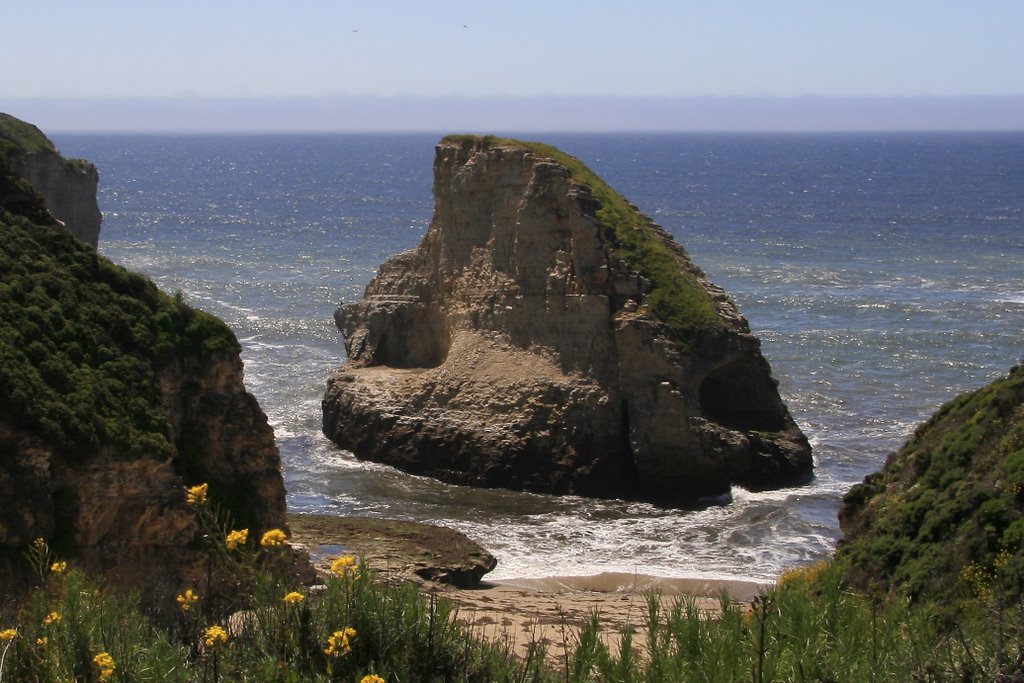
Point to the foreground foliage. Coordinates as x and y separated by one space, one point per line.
809 627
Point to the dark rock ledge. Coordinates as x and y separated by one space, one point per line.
406 551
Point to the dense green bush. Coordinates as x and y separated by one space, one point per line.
82 341
952 500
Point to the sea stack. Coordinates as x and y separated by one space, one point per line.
548 336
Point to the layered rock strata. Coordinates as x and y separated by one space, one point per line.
547 336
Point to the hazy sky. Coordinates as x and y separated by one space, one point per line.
189 49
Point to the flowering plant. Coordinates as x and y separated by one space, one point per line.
237 538
275 538
196 495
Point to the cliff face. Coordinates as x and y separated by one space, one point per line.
113 398
68 186
547 336
122 511
222 437
70 192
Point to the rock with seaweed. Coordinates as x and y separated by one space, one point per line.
944 519
113 398
548 336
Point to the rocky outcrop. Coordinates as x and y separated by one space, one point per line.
67 185
124 514
547 336
222 437
115 397
70 191
396 550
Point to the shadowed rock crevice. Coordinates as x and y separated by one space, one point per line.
547 336
741 395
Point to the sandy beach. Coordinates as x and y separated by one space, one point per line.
516 611
552 610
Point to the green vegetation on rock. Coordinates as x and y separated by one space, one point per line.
948 509
82 341
677 298
18 138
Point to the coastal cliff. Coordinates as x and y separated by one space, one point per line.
547 336
113 398
68 186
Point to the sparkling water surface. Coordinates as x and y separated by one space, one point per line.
884 274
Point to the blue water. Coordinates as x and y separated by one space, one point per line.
883 275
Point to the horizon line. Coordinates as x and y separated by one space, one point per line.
536 113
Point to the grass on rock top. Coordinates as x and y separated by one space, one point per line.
676 298
18 138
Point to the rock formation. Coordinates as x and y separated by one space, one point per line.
395 549
67 185
113 398
547 336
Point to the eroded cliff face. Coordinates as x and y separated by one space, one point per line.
70 191
222 437
521 346
124 513
68 186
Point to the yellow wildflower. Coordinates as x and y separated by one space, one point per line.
39 544
187 599
807 574
58 567
105 663
371 678
343 566
214 636
8 634
339 642
52 618
237 538
275 538
294 598
41 642
196 495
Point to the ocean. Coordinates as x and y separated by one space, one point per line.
884 274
